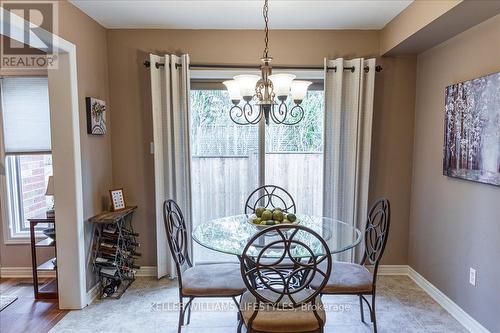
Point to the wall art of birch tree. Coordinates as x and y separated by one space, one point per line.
472 130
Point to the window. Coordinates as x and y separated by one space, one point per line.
225 157
224 162
294 155
25 153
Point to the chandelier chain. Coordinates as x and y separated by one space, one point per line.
266 29
265 92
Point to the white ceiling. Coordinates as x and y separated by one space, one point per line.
242 14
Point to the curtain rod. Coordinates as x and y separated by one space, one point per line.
147 63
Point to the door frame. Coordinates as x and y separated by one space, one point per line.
67 166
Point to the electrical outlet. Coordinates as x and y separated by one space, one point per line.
472 276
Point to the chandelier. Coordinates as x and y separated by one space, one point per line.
270 92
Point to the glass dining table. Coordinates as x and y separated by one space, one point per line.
231 234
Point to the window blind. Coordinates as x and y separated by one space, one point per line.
25 114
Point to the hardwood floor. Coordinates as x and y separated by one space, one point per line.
27 314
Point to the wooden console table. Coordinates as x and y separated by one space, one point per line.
48 290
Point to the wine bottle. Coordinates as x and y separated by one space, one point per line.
107 250
127 266
106 262
114 230
111 287
115 236
123 241
112 248
132 253
108 271
130 232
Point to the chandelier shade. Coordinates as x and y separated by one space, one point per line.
299 89
233 88
281 83
266 90
247 84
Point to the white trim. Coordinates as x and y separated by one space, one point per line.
67 166
23 272
456 311
391 269
92 294
68 188
4 211
23 240
146 271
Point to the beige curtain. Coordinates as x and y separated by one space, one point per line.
171 122
348 128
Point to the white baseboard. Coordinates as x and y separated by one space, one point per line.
23 272
26 272
456 311
146 271
391 269
92 294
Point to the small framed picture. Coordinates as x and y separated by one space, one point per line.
117 199
96 116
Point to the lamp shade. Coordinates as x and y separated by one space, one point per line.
233 89
299 89
247 84
281 83
50 187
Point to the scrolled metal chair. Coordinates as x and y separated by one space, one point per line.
270 197
284 303
208 280
355 279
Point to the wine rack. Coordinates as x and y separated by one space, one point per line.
115 249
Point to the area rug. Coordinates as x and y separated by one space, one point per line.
150 305
5 301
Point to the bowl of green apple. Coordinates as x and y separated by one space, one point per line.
264 218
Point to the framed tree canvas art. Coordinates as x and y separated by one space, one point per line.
472 130
96 116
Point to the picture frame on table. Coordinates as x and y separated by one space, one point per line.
117 199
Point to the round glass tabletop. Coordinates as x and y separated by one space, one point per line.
231 234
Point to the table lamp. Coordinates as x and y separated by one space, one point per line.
50 191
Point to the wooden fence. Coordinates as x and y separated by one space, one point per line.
221 185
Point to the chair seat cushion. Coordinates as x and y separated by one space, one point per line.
276 319
347 278
213 280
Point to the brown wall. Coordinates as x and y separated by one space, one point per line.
132 124
415 17
90 40
455 224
